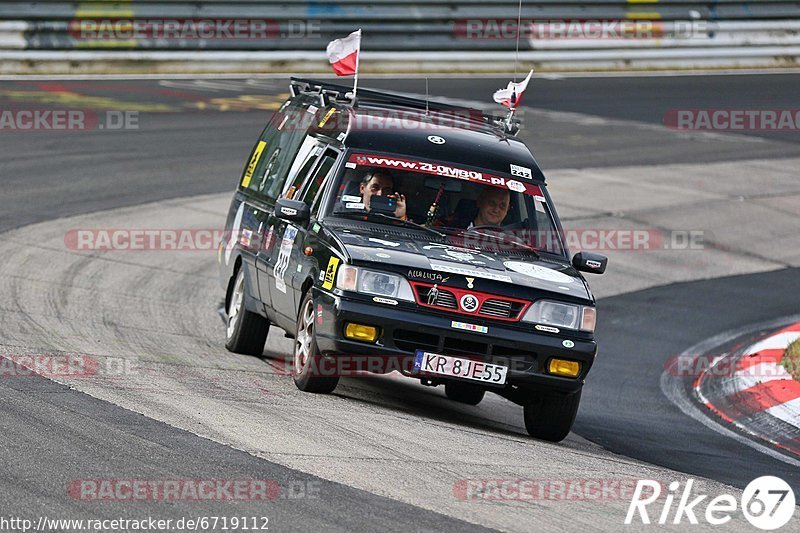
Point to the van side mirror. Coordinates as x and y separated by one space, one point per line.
292 210
590 262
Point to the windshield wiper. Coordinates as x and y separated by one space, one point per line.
382 216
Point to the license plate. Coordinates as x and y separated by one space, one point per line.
446 365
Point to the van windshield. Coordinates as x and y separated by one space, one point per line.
490 209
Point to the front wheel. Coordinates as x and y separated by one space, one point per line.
307 360
247 331
552 415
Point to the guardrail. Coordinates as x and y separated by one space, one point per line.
555 33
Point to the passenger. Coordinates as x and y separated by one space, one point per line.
493 206
382 184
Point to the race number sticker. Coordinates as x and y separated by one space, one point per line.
251 166
284 254
523 172
330 273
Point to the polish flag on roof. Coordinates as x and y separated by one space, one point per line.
343 54
510 96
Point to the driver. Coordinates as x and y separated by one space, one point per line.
382 184
493 204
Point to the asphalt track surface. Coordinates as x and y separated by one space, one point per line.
54 437
192 150
639 332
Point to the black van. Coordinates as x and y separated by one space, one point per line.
386 233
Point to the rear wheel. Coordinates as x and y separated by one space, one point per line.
464 392
307 359
551 416
246 332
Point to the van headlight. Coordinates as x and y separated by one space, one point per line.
352 278
561 315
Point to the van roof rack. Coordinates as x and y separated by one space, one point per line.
333 92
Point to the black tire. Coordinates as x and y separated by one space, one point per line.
307 359
246 332
464 392
552 415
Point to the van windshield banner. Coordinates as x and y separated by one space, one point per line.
439 169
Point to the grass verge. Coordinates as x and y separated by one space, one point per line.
791 359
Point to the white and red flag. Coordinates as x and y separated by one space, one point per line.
343 54
510 96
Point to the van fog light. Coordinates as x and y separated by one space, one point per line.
562 367
360 332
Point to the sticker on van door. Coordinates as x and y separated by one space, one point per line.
330 273
251 166
284 254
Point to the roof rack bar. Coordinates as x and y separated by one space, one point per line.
371 95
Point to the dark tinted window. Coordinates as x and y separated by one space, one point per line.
318 178
302 173
277 148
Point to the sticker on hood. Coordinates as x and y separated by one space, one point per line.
453 269
539 272
461 256
383 242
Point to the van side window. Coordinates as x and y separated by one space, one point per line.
282 139
253 178
315 182
294 187
294 133
309 149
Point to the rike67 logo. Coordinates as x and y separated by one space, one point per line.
767 502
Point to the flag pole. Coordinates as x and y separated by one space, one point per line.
358 57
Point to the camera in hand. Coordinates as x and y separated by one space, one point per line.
383 204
